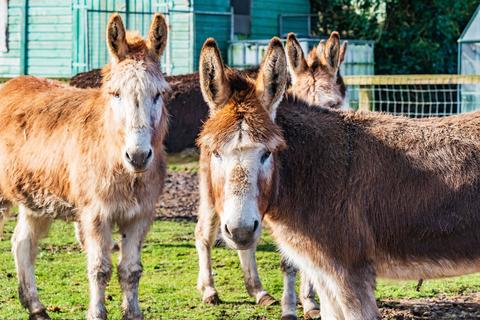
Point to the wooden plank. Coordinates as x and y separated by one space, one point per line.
49 36
8 71
63 19
52 12
49 54
52 62
49 3
52 45
56 28
10 61
49 71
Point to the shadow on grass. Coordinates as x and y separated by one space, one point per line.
175 245
267 247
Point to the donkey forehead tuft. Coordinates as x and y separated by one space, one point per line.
244 122
137 46
141 74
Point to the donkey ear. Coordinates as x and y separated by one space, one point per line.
315 54
295 59
272 77
331 53
116 38
213 80
320 48
157 36
343 52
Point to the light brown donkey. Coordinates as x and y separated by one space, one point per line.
311 82
348 196
317 80
94 156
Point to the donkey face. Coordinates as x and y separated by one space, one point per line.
240 138
317 80
134 86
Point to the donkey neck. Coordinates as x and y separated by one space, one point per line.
318 155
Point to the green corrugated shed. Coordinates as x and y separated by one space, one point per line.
59 38
265 15
48 41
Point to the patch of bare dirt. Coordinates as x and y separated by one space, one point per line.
439 308
180 197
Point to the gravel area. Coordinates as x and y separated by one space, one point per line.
438 308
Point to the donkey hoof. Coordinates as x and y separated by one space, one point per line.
266 300
289 317
312 314
39 315
94 315
214 299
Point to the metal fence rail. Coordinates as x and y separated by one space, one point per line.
359 59
414 95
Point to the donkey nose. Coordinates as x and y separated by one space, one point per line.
241 235
139 159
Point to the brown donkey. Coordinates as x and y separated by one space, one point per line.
327 86
94 156
317 80
317 83
348 196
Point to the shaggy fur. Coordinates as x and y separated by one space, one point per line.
233 80
61 156
360 195
317 80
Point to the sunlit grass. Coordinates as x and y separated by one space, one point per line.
167 289
183 162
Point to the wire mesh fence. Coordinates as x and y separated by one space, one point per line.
415 95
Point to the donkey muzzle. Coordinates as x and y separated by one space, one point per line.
139 159
243 237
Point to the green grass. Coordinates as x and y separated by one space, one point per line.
182 162
167 289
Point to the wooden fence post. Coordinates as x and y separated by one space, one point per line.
364 98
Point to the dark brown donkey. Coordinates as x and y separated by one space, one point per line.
318 79
348 196
94 156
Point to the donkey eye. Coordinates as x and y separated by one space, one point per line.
216 154
265 156
115 94
155 99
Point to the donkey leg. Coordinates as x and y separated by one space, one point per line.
98 242
29 230
353 290
205 234
79 234
329 308
311 310
130 266
251 278
289 297
4 214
